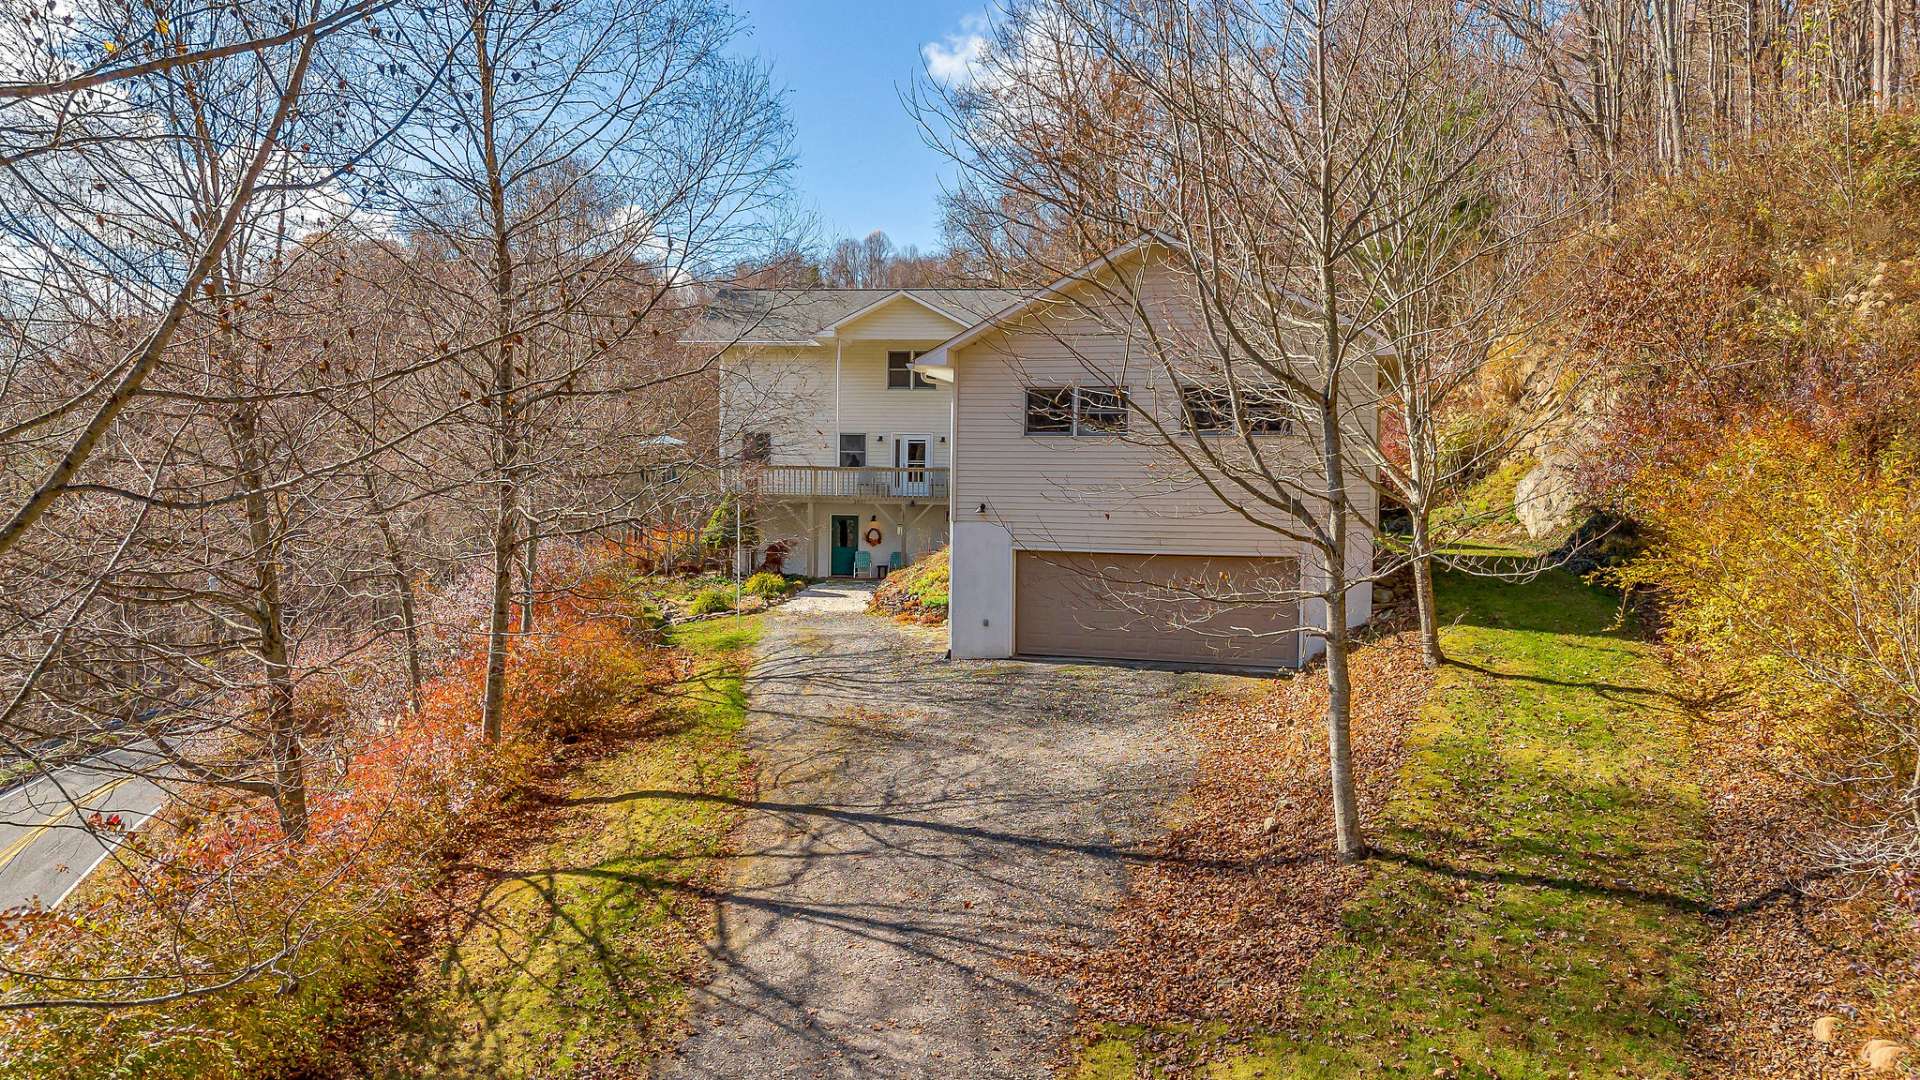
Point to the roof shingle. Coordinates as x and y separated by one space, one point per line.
795 316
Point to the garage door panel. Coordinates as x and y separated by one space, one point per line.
1170 608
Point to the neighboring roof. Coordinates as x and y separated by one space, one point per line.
802 316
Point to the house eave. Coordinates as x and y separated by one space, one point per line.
831 332
807 343
936 363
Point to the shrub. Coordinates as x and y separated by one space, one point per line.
769 585
651 618
719 533
1787 566
711 601
211 885
1780 282
558 682
214 886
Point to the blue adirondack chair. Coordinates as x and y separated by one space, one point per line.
862 564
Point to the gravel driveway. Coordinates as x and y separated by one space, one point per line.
922 823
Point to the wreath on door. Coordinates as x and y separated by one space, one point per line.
874 536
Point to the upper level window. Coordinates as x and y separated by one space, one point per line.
756 447
853 451
1210 410
1050 411
900 373
1076 410
1102 410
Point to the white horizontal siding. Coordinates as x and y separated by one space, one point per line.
1100 494
904 320
790 394
787 393
869 407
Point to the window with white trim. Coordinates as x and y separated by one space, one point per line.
1256 410
900 373
853 451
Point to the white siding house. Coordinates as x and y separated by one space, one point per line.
1079 537
846 451
1097 545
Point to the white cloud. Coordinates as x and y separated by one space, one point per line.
954 60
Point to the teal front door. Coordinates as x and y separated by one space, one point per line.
846 541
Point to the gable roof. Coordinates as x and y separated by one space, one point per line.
1022 301
805 316
935 363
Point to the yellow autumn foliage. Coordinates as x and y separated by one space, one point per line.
1790 575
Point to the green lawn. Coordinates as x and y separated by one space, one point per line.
1537 911
579 959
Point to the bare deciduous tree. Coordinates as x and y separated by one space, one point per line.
1288 161
299 323
599 157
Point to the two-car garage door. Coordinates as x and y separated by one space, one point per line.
1187 609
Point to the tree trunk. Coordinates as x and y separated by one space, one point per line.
402 591
1885 53
1348 842
284 751
1669 40
529 563
1421 555
506 438
286 757
494 698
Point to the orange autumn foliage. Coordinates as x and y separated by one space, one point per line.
1781 283
1787 570
322 923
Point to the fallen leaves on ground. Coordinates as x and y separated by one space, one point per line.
581 904
1224 912
1788 946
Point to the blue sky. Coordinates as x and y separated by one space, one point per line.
863 164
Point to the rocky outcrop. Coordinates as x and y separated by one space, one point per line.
1393 600
1547 500
1558 409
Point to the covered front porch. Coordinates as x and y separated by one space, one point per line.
852 538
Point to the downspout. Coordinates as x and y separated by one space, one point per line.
833 450
953 469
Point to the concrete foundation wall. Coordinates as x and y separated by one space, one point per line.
980 611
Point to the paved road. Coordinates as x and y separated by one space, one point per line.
45 846
921 826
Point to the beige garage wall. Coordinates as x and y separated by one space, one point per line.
1013 492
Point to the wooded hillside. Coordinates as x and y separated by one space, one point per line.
353 473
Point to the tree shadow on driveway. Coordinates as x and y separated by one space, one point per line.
923 825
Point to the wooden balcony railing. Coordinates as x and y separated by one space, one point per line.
827 482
